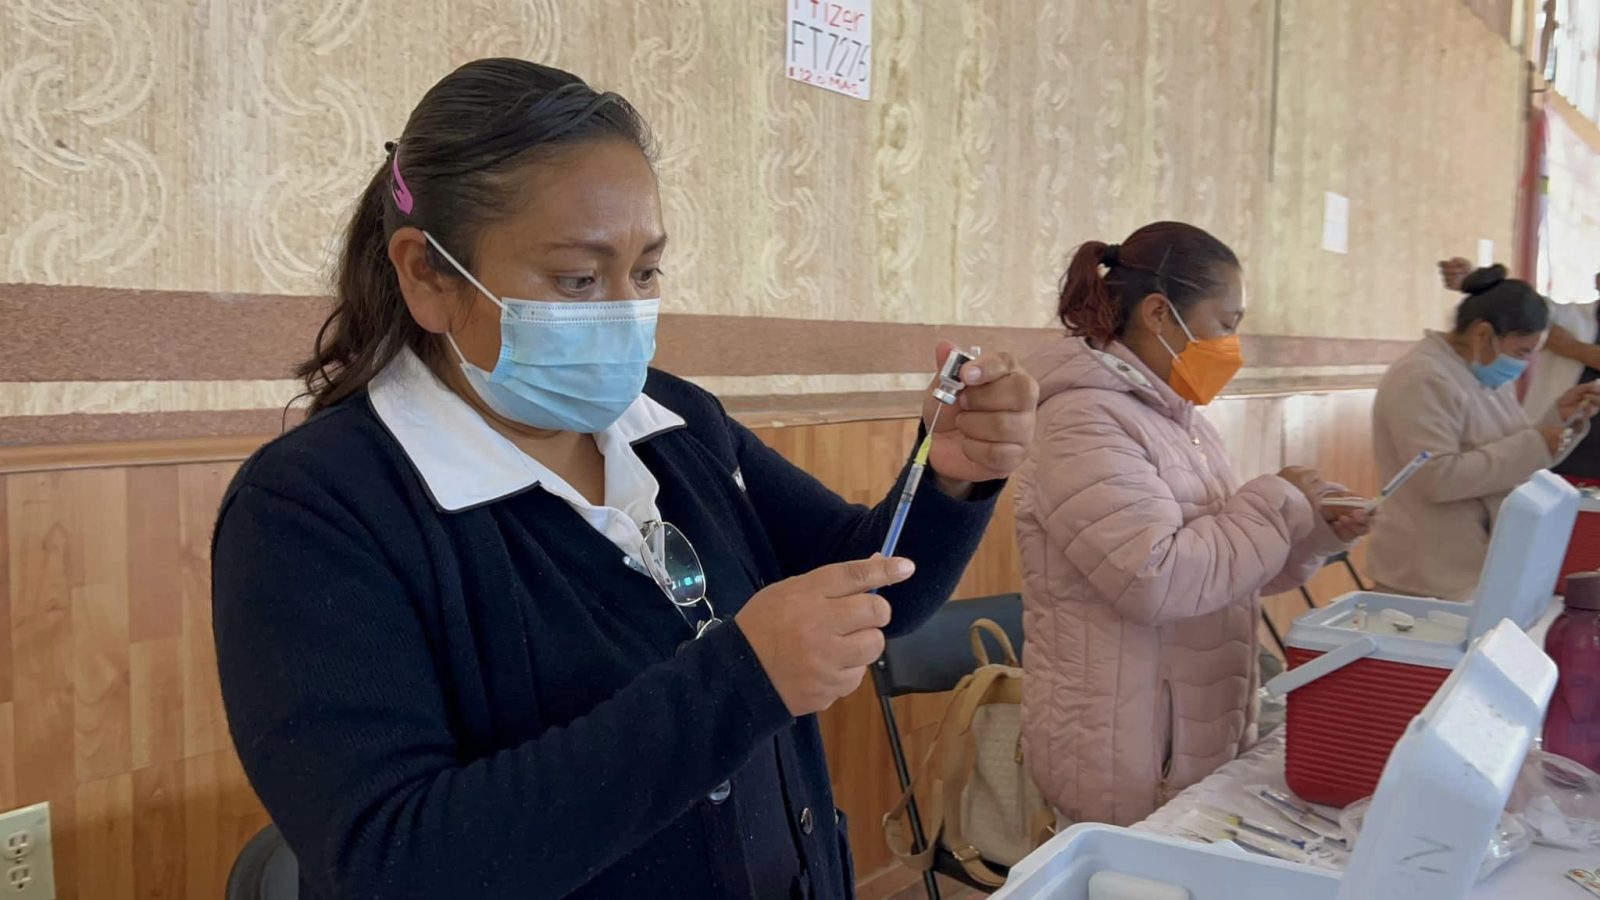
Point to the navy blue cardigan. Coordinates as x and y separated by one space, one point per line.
489 704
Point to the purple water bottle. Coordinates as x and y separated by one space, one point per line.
1572 727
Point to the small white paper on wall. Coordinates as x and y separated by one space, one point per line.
828 44
1335 223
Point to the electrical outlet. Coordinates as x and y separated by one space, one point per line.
25 854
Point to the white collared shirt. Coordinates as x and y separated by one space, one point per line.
466 463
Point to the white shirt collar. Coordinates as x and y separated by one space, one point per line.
465 463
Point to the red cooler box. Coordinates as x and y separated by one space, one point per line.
1438 806
1583 552
1363 667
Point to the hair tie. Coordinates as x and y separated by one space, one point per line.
1484 280
1109 256
402 194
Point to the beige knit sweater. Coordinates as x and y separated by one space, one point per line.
1430 538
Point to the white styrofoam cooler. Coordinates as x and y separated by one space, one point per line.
1435 809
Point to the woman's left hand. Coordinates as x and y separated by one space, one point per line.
986 434
1580 403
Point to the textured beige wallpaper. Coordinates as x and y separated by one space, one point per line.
216 146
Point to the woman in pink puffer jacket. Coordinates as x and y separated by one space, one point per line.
1143 557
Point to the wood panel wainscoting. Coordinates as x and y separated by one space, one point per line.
109 702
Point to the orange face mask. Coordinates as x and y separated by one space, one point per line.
1205 367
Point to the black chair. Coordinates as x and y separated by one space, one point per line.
1311 602
930 660
265 869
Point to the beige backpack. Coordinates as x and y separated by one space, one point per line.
983 805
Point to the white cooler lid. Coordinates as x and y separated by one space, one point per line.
1525 553
1446 782
1517 582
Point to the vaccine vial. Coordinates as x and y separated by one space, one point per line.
950 375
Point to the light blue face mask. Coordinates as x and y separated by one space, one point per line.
1504 370
564 366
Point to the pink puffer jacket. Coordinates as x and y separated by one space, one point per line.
1143 562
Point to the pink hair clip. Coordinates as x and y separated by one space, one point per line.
402 194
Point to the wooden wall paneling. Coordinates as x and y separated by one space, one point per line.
200 490
98 553
114 680
6 660
104 862
9 798
154 610
42 643
160 841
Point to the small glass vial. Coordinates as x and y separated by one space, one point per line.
950 375
1358 619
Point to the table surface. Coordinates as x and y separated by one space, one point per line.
1539 872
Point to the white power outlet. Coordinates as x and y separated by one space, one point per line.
25 855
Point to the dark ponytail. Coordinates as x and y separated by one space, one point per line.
1177 260
453 171
1509 306
1086 306
370 322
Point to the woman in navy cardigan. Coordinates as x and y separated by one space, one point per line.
462 650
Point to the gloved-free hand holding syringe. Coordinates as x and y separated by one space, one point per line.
945 392
1400 477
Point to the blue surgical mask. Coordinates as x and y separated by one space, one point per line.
1504 370
564 366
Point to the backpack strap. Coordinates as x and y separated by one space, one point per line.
1042 825
980 652
896 826
896 823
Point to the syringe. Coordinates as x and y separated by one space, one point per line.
919 464
945 391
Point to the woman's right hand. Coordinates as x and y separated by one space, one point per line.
1454 271
815 634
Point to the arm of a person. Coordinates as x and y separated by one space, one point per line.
810 526
1116 520
1429 416
339 716
1306 557
1563 343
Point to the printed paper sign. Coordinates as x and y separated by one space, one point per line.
1485 252
829 45
1335 223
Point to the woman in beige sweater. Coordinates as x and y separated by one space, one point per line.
1454 395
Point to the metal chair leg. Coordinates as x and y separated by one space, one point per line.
919 841
1354 575
1305 592
1276 637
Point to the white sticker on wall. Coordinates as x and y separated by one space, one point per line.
1335 223
1485 252
828 44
